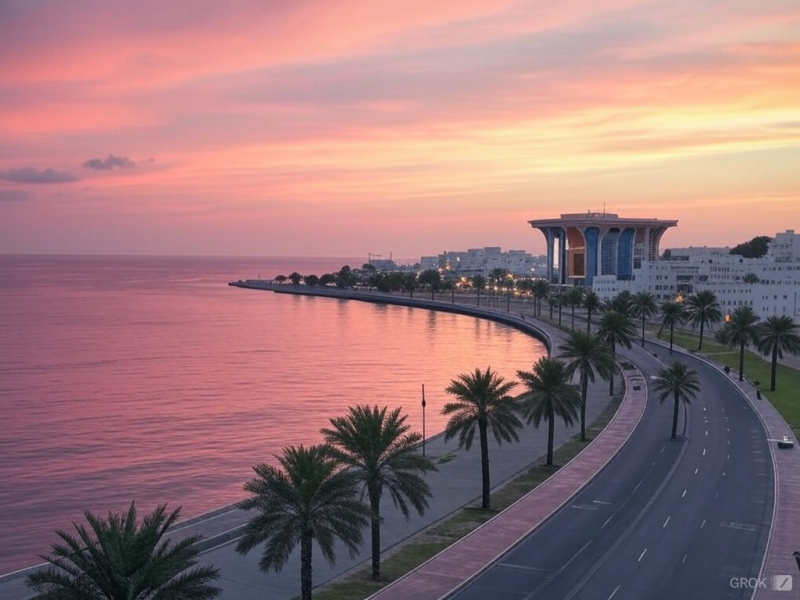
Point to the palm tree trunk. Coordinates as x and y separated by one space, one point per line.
305 565
551 432
453 296
613 368
774 368
484 435
479 297
588 321
675 418
375 507
702 327
643 330
671 335
584 393
685 419
741 361
573 317
559 314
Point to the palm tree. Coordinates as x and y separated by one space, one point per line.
621 303
479 283
433 279
593 304
309 498
672 313
741 330
123 558
703 308
482 402
586 354
561 300
550 395
775 336
615 328
574 297
379 450
643 304
682 384
541 291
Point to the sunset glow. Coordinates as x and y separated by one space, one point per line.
346 127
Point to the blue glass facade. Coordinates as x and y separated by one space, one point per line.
591 234
625 254
608 252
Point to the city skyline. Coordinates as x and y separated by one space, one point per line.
348 128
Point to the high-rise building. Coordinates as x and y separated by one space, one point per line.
585 245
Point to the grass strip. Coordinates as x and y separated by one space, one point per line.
756 369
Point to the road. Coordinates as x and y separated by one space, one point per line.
665 519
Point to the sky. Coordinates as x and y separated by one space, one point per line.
356 127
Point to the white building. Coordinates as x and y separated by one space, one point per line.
770 285
482 261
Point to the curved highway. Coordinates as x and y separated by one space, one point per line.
667 519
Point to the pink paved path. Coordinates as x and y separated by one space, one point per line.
468 557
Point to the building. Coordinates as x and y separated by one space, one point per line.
582 246
769 285
482 261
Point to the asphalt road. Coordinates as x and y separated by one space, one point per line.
665 519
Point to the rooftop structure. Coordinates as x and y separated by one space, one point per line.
598 243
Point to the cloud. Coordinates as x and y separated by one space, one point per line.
14 195
112 162
32 175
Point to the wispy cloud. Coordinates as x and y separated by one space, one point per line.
107 164
37 176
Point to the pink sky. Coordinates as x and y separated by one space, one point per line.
348 127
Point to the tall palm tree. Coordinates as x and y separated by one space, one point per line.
382 454
123 558
586 355
778 334
643 304
550 394
593 304
482 403
541 291
672 313
479 283
310 497
561 301
615 328
682 384
741 330
703 308
574 297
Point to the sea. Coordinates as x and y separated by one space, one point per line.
149 379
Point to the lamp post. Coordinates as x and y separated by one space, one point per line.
423 419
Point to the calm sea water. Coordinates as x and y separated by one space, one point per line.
149 379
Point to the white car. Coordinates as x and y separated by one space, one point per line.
785 443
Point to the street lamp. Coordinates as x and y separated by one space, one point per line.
423 419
